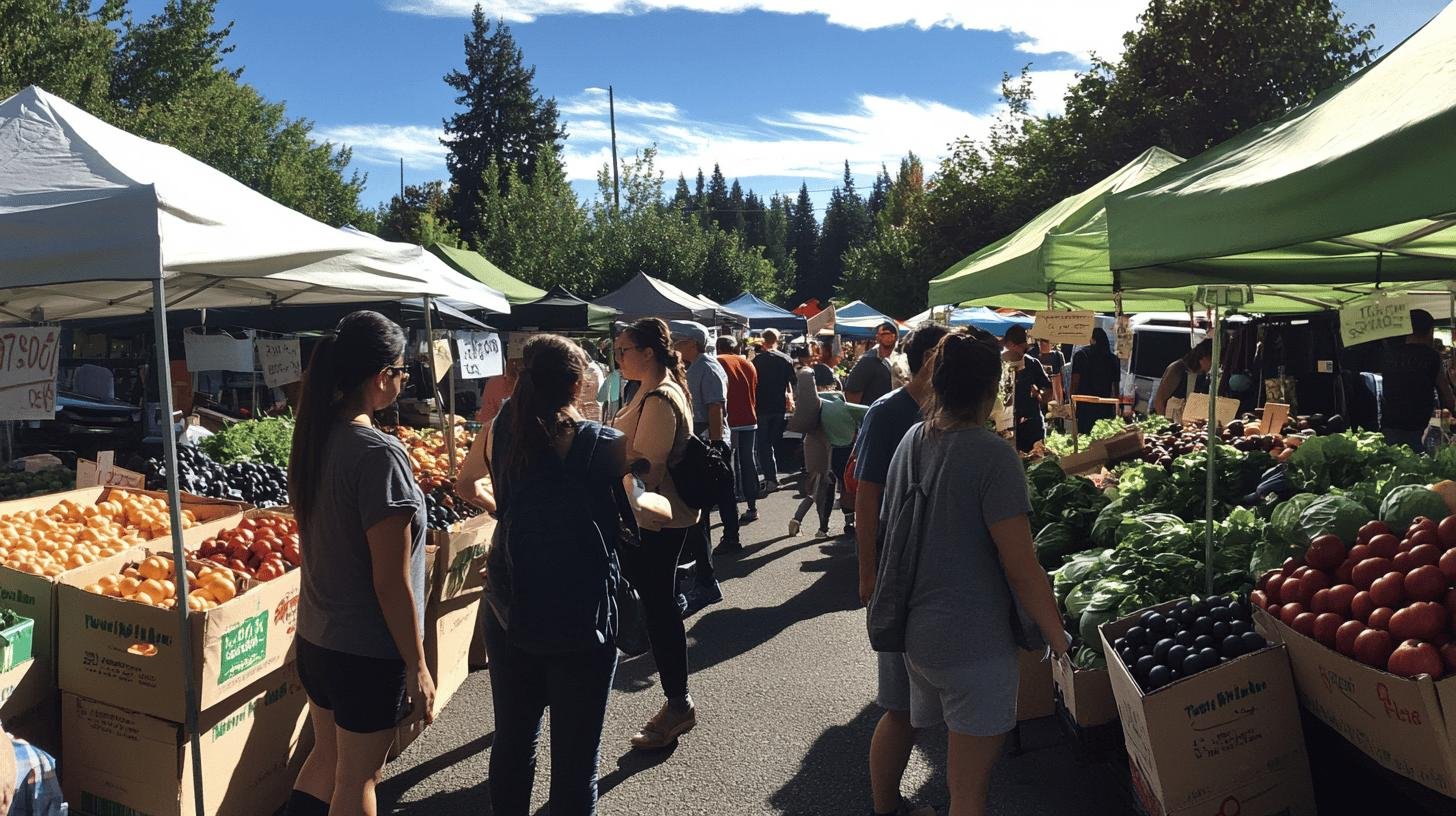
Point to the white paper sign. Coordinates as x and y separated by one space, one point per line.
1196 407
480 355
28 372
1064 326
279 359
217 352
1124 338
1375 319
823 320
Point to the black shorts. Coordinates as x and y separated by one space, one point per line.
366 694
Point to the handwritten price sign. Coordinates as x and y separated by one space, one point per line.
1064 326
1375 320
279 359
480 355
28 373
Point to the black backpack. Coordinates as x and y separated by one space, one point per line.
552 573
703 473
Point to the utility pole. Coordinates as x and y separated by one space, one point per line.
612 110
401 181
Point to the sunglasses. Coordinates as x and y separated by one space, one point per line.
401 371
620 350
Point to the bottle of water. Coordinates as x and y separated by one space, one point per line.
1435 436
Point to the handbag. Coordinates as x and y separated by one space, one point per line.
631 637
701 474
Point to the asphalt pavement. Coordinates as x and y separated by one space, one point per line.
784 680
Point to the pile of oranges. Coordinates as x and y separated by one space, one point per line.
71 535
153 582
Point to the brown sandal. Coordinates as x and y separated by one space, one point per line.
664 728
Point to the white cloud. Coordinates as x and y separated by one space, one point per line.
1049 89
1041 26
593 102
418 145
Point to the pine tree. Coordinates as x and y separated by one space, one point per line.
776 246
718 197
880 193
802 241
735 219
700 200
754 220
503 118
682 198
846 225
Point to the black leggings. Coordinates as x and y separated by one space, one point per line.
652 569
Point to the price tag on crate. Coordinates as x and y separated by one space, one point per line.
28 372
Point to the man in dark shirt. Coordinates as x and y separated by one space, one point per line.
1053 362
1032 389
870 378
774 399
887 422
1412 379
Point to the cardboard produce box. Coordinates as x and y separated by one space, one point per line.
120 761
130 655
1086 693
34 596
449 629
1408 726
1225 732
459 553
1035 696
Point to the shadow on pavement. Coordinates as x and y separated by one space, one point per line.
391 789
630 764
834 774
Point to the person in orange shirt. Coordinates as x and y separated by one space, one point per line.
743 422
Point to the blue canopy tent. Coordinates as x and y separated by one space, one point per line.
987 319
764 315
859 319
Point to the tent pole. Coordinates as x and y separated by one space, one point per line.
1213 377
430 360
174 516
450 398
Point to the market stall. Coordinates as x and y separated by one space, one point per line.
646 296
860 320
764 315
146 228
474 265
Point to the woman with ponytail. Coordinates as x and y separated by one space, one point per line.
976 556
362 534
550 618
657 423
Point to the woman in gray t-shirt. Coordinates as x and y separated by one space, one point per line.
362 536
976 551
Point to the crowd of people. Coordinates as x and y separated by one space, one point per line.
586 508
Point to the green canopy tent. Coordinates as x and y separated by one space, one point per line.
1355 189
474 265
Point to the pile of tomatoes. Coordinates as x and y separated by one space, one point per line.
263 545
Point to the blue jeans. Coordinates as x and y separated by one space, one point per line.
575 686
770 430
745 465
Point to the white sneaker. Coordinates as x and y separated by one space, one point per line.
794 527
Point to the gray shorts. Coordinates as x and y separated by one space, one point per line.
894 692
977 699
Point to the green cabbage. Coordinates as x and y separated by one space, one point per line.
1077 570
1104 529
1406 502
1337 515
1088 624
1284 521
1054 543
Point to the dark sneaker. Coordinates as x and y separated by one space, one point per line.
908 808
749 516
682 604
849 530
728 547
664 728
702 596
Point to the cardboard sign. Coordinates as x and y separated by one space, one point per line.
821 321
1375 319
480 355
1064 326
1196 407
217 352
280 361
1275 414
444 359
103 472
516 345
28 373
1124 338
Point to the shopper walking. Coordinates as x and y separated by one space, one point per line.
839 421
885 424
708 390
1095 373
743 421
871 377
976 555
657 422
1031 390
805 421
361 606
550 618
1414 384
775 384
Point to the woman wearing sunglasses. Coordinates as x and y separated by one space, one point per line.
362 603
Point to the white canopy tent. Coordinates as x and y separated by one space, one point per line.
96 222
81 200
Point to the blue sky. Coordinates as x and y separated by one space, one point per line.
777 91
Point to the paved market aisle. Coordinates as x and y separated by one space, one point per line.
784 680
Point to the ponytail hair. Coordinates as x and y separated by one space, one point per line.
362 345
552 369
965 375
652 333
